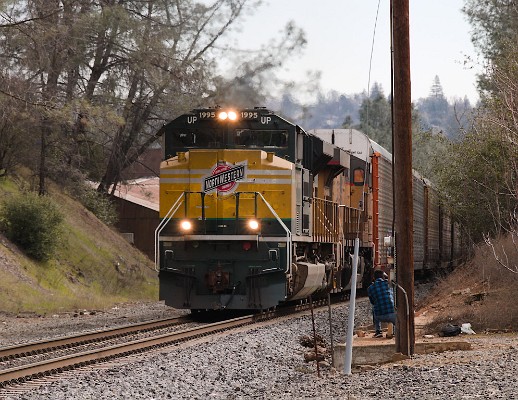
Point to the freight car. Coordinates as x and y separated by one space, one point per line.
256 212
438 242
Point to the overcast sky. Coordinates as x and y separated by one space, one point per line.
340 35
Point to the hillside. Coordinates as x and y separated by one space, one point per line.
481 292
94 267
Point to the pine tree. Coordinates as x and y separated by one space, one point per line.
436 89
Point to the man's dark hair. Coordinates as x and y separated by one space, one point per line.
378 274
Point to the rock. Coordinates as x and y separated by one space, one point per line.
310 356
399 357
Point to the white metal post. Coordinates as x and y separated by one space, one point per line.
352 305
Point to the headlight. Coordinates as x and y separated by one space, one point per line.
230 115
186 225
253 224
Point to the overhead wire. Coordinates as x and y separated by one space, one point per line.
368 106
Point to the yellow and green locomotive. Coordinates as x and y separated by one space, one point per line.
256 212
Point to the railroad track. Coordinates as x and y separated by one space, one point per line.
40 360
44 358
44 346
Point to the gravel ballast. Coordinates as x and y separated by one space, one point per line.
267 362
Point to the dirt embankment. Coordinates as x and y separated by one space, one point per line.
481 292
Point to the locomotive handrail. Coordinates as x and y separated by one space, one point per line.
288 232
325 213
162 225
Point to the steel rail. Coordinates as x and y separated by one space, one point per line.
45 346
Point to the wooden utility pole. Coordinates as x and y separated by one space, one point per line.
404 213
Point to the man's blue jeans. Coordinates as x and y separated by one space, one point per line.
378 319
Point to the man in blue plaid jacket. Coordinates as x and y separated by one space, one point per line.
382 300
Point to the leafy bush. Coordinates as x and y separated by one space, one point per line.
34 223
96 202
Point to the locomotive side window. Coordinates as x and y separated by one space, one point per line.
359 177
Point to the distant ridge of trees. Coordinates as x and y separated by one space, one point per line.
370 112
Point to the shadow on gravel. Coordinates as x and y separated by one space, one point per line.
218 315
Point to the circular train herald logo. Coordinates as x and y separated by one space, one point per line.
224 178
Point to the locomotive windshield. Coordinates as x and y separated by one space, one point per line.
197 139
260 138
240 138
